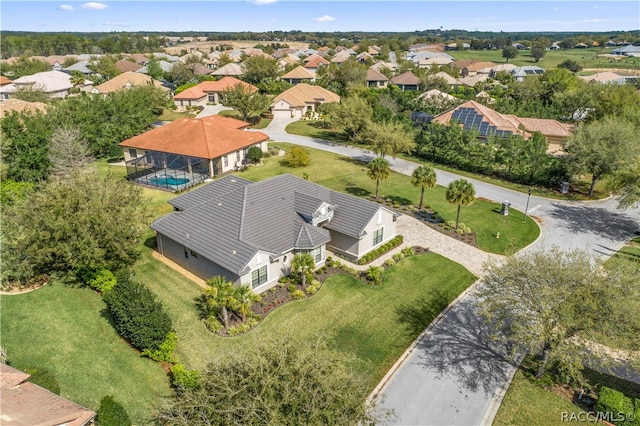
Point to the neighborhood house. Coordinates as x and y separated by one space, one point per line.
187 151
249 232
300 100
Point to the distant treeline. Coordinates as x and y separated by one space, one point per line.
17 43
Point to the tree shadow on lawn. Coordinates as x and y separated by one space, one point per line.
595 220
460 347
151 243
416 316
358 192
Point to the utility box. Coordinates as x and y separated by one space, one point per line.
564 188
505 208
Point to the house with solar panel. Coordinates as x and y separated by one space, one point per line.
486 122
520 73
249 232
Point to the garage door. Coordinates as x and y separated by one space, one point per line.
281 113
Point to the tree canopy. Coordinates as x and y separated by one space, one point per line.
461 193
243 99
87 221
378 170
555 303
276 382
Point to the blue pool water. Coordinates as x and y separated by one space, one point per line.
168 180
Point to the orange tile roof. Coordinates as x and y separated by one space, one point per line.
4 80
207 137
224 84
191 93
303 93
546 126
314 61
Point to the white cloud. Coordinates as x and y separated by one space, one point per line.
261 2
325 18
94 5
65 7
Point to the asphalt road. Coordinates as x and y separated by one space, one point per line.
454 374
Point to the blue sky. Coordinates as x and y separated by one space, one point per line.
309 15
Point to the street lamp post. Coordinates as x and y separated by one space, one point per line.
527 207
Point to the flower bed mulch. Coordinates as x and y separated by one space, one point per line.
430 218
33 284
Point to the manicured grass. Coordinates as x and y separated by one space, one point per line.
65 329
631 251
374 323
346 175
587 58
527 403
580 187
264 122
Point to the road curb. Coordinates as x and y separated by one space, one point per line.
496 401
401 360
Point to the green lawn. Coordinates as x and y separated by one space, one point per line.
63 328
587 58
314 129
346 175
171 115
264 122
631 251
527 403
374 323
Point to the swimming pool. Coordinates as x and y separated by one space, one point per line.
168 180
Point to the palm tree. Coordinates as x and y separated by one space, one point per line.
245 297
378 170
461 193
301 264
221 297
77 79
423 177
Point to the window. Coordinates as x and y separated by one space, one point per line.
377 236
317 254
194 254
237 155
226 160
259 276
186 253
133 153
212 98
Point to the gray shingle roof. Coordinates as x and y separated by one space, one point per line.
229 220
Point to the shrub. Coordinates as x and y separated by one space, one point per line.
329 262
291 288
390 262
616 403
398 256
296 157
298 294
374 275
165 350
255 154
408 251
274 150
313 287
451 223
103 280
44 378
111 413
213 324
242 328
137 315
183 378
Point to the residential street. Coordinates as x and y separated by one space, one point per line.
453 374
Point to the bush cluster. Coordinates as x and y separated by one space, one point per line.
165 349
296 157
373 275
137 315
298 294
618 404
374 254
243 328
313 287
183 378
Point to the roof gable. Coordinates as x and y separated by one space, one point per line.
304 93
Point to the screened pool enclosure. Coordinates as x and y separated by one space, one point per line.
168 171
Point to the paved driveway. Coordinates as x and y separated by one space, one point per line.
454 374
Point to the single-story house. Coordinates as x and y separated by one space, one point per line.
188 151
301 99
165 66
54 83
406 81
25 403
126 80
80 66
229 70
249 232
125 65
209 92
487 122
626 50
473 68
451 81
299 74
520 73
472 80
376 79
315 61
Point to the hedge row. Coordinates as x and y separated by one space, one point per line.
386 247
619 409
